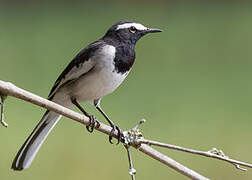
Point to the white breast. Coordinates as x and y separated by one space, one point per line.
102 80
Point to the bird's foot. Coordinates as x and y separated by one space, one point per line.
93 123
119 134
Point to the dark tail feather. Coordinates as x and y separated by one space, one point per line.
28 151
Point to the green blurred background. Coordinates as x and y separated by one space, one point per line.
191 82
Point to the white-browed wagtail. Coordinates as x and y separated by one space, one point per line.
95 72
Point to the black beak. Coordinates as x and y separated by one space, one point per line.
152 30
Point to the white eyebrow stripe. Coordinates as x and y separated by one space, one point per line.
127 25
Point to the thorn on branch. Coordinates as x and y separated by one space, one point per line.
3 98
139 124
239 167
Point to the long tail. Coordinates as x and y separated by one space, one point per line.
28 151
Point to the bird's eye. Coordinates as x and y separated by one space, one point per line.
132 29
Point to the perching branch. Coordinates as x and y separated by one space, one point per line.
9 89
132 137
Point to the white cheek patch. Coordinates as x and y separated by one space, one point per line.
128 25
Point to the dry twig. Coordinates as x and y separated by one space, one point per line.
3 97
213 153
132 170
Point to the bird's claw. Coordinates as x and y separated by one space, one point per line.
93 123
119 134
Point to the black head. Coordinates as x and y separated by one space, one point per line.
128 31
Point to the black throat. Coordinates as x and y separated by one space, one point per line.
124 56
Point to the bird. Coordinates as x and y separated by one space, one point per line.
96 71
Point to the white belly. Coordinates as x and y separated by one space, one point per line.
100 81
96 85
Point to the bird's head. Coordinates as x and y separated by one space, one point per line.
128 31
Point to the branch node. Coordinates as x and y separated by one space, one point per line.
217 152
132 171
133 136
3 98
221 154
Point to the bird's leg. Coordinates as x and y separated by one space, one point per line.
93 122
114 127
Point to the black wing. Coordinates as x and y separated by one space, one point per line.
84 55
